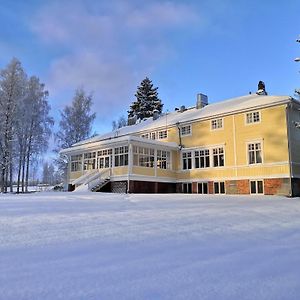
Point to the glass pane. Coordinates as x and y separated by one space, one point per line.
216 163
221 160
260 187
200 190
189 188
216 187
222 187
258 157
253 187
205 188
189 163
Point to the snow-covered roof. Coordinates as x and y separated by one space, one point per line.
234 105
119 140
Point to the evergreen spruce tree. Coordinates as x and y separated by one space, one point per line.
147 101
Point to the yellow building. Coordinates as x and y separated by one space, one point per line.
244 145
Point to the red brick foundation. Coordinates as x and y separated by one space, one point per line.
277 186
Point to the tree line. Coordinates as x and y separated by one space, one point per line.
25 124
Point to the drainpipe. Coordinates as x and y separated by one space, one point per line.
179 134
289 147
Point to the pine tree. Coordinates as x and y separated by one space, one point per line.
147 101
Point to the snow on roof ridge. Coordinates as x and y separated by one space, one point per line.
190 114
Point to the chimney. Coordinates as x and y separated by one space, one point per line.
132 120
155 114
261 88
202 100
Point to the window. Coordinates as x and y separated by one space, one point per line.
104 158
121 156
254 153
186 130
163 159
105 152
76 163
89 161
256 187
145 136
143 157
153 135
186 160
163 134
219 187
202 188
253 117
218 157
202 158
217 124
187 188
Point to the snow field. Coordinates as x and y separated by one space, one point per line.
108 246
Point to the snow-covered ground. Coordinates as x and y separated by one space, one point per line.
107 246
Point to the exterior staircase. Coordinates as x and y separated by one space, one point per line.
94 180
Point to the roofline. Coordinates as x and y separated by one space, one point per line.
281 102
120 141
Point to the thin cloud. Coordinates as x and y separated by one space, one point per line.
108 49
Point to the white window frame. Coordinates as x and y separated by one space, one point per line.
250 118
145 135
186 130
204 156
215 124
202 182
187 184
219 184
212 162
256 186
261 152
187 158
153 135
162 134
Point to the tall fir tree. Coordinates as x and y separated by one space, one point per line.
147 101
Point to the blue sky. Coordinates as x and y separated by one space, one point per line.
219 48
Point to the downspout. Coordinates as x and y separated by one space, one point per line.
179 134
289 147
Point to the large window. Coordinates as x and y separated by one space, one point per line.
219 187
256 187
218 157
202 188
202 158
254 153
186 130
187 188
186 160
121 156
253 117
76 163
163 159
217 124
89 161
104 158
143 157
